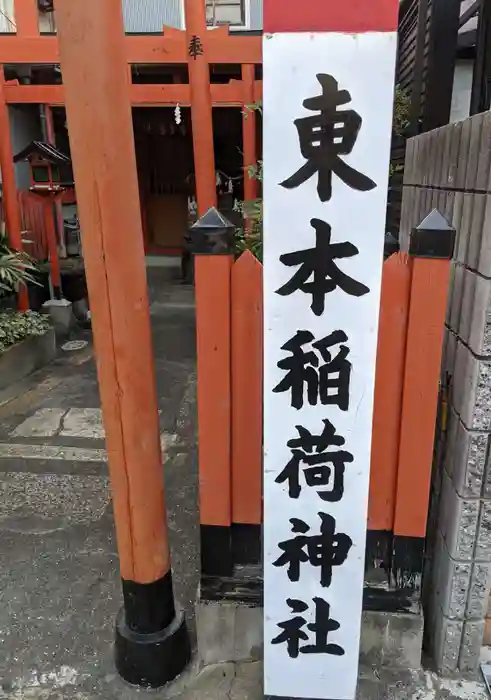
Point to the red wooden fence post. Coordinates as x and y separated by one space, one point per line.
212 244
431 248
54 261
212 280
247 409
152 644
389 383
9 188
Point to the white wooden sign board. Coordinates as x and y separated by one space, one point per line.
362 64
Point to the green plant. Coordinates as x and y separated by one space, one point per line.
16 326
250 236
400 120
16 267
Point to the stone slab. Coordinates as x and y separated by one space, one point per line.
471 645
457 296
480 325
471 389
229 631
392 640
22 359
470 450
444 642
478 598
466 312
458 521
484 264
450 583
61 314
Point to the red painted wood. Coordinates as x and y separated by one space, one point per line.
33 225
26 15
9 187
153 48
247 388
93 63
353 16
426 323
389 384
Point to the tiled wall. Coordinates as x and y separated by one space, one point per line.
450 169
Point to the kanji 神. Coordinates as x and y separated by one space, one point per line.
322 466
324 550
293 632
325 137
327 382
318 263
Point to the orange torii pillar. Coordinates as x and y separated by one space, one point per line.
10 198
213 325
249 132
26 16
152 642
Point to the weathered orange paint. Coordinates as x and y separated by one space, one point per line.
427 309
9 188
247 402
249 131
226 95
213 281
93 62
201 109
35 94
155 48
26 16
389 377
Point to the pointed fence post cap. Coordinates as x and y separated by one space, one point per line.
212 234
433 238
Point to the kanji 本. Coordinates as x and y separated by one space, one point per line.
318 263
325 137
195 48
322 466
293 633
325 550
327 382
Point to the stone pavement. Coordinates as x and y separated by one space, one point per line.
59 581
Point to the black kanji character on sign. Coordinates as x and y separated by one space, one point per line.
327 136
328 382
325 550
318 470
195 48
319 263
293 633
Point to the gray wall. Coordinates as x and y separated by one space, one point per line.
450 169
462 85
142 16
25 127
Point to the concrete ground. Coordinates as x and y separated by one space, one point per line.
59 582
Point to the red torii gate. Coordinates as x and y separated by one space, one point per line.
27 45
